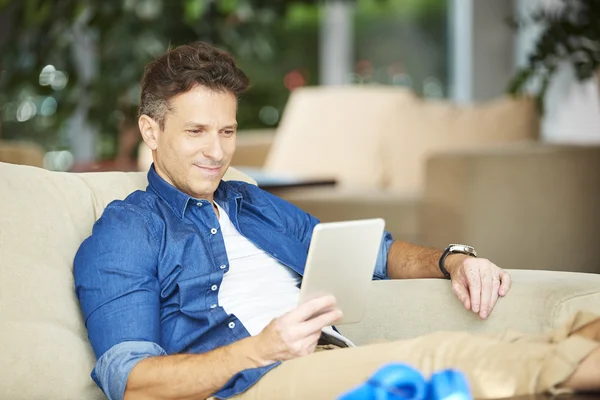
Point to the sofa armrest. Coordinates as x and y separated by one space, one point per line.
528 206
252 147
538 301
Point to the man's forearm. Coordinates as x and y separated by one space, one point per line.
409 261
190 376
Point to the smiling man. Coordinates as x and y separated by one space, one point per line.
189 289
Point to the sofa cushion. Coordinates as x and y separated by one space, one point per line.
430 126
44 217
337 132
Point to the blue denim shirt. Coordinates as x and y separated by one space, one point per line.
148 277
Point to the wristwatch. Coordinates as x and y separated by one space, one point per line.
455 248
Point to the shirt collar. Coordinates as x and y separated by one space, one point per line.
178 200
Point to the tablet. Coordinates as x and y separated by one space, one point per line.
341 260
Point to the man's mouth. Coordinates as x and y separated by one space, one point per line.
209 167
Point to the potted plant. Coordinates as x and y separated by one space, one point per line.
570 33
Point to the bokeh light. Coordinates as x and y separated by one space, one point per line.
27 110
269 115
58 160
60 80
47 75
432 88
294 80
48 106
402 80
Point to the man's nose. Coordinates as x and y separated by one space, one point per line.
213 148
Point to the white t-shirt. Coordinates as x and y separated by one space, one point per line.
257 288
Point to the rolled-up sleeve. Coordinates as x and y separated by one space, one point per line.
381 265
113 367
118 290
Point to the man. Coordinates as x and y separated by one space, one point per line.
189 289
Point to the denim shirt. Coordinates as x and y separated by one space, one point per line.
148 277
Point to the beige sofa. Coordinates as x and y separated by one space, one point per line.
45 215
438 172
21 152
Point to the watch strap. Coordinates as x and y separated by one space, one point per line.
441 263
452 249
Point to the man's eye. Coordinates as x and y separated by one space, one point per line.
194 131
228 133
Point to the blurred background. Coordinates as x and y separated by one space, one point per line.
472 121
70 69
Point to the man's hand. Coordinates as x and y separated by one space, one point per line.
296 333
477 282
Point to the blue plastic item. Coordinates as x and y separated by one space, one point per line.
403 382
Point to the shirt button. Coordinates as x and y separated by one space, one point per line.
223 266
213 287
213 306
213 231
199 204
232 325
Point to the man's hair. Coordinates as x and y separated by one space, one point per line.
182 68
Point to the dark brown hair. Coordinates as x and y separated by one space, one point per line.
182 68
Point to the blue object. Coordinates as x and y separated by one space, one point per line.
449 384
403 382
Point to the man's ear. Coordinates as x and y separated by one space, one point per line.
150 131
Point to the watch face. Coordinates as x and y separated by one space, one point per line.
463 248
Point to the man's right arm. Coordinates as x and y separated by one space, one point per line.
193 376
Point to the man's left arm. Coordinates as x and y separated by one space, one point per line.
477 282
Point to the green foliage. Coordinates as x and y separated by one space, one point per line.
126 35
268 38
570 33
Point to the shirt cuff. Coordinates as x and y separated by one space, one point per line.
381 271
113 367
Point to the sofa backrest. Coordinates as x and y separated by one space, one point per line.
379 137
44 217
337 132
428 127
24 153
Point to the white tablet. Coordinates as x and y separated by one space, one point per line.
341 260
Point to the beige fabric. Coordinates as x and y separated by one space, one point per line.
252 147
430 126
24 153
337 132
523 206
538 301
44 217
496 367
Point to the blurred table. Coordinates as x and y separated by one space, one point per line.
294 184
276 182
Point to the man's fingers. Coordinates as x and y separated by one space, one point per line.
310 308
494 297
319 322
486 292
474 280
462 293
506 283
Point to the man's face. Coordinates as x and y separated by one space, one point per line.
195 148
